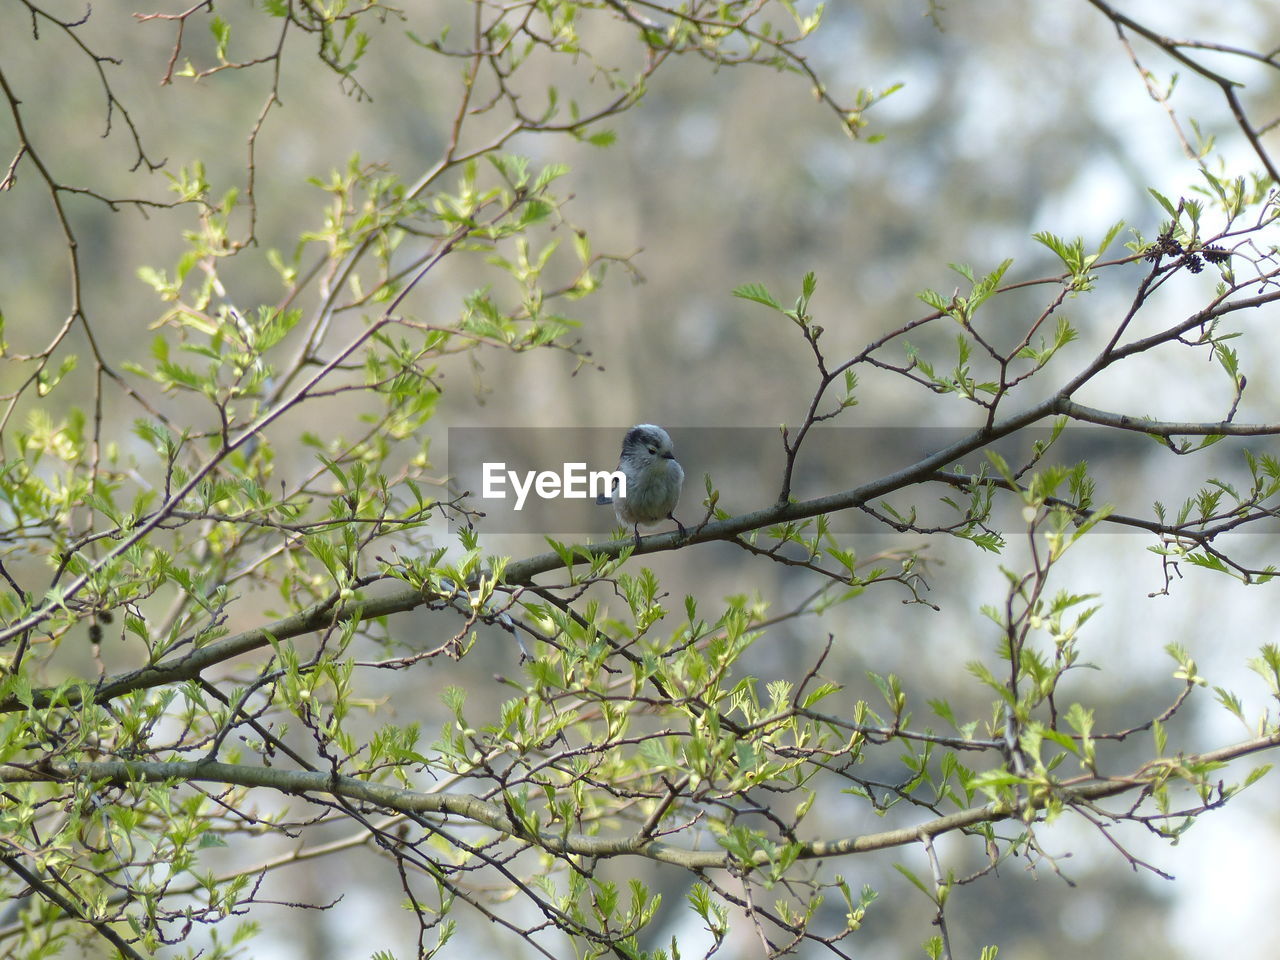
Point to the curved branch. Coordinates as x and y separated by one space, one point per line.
1174 48
69 907
522 572
1166 428
303 783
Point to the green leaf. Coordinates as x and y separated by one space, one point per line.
825 690
1164 202
221 31
916 881
757 293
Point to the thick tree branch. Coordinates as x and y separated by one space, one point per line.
307 784
406 598
1165 428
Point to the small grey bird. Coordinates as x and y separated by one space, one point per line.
653 480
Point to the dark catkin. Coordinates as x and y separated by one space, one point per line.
1165 246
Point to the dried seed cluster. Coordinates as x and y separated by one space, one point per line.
1167 245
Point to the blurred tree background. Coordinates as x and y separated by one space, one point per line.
1004 119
